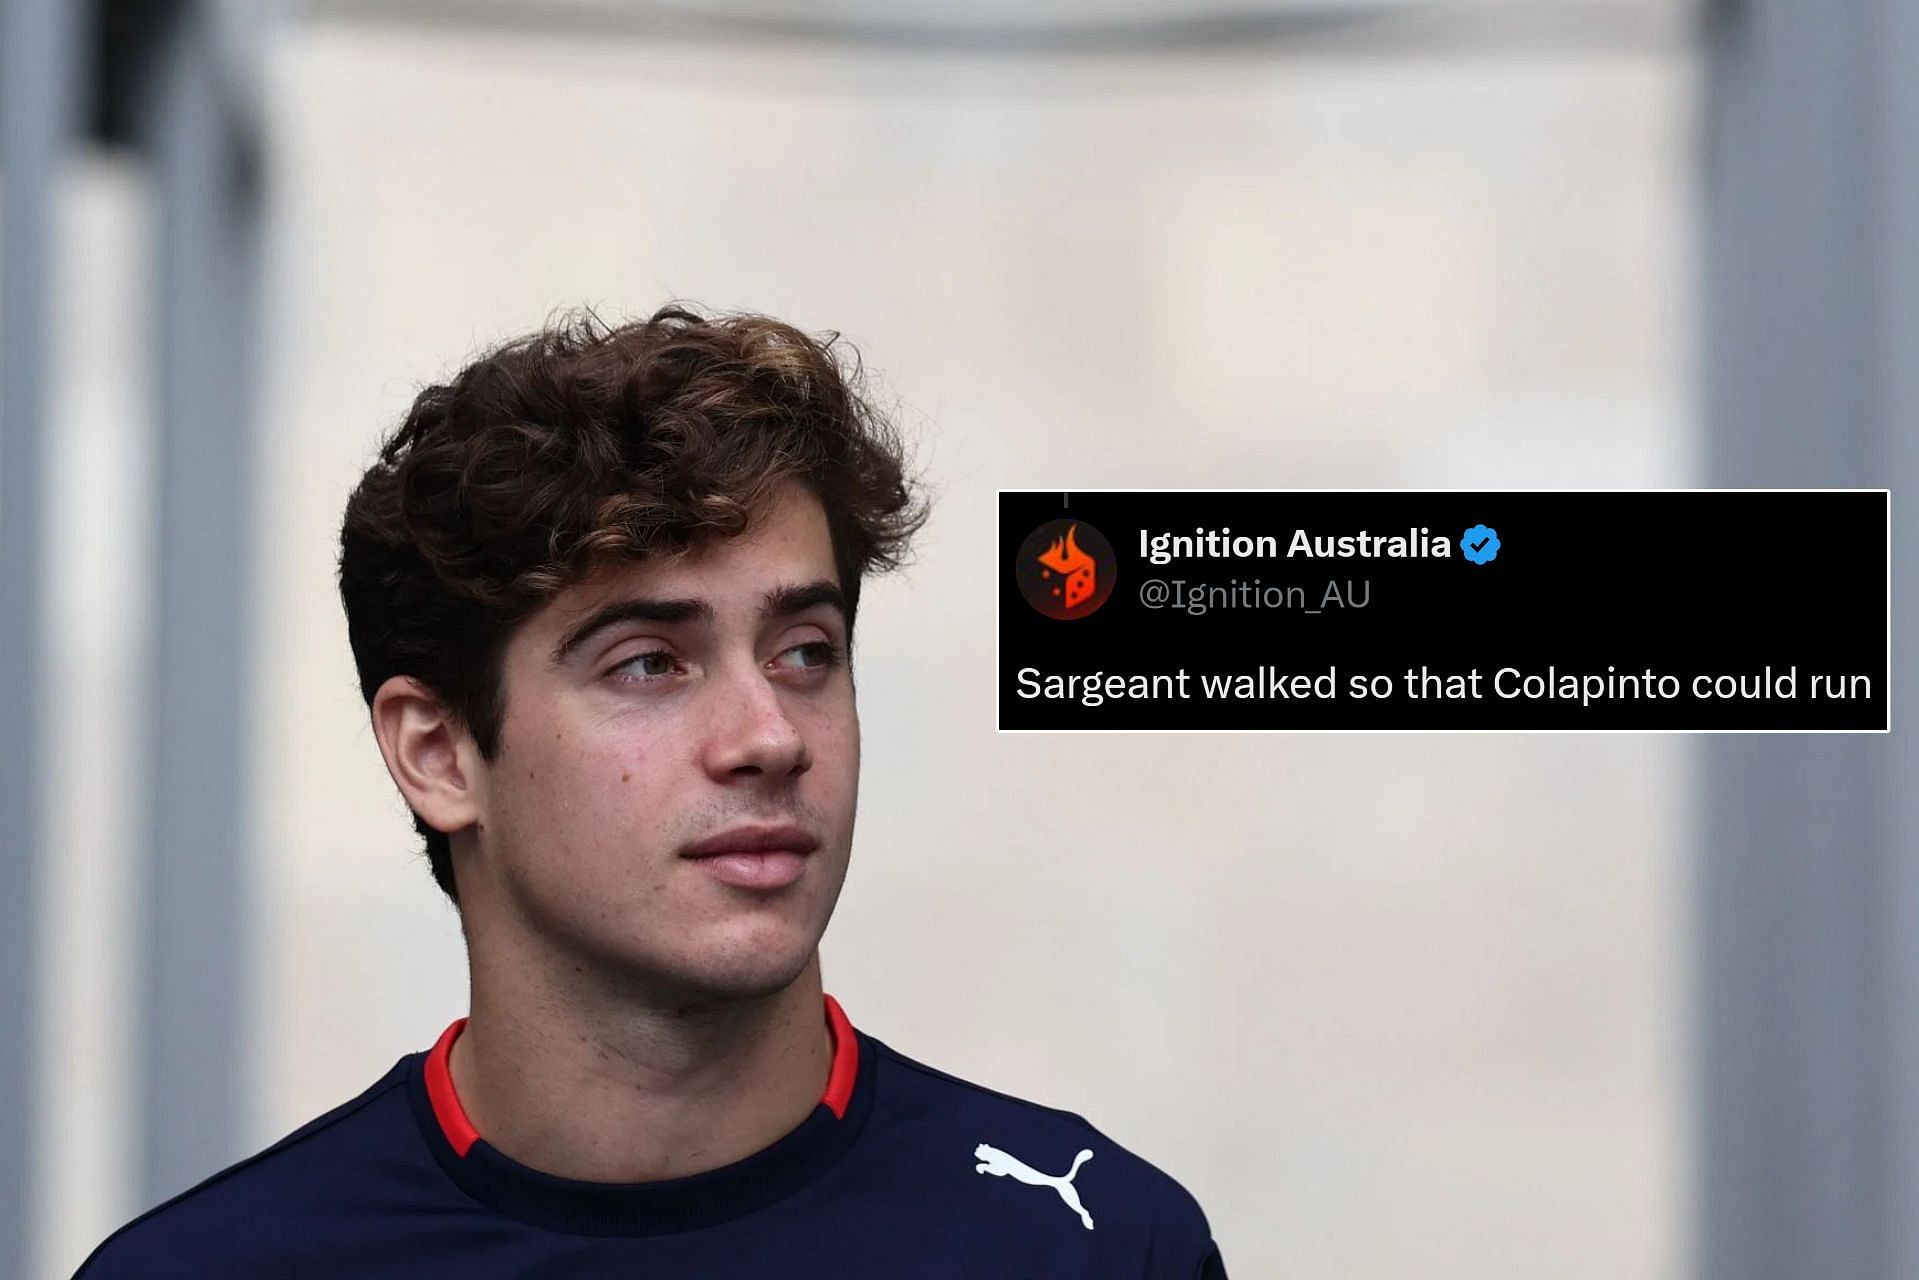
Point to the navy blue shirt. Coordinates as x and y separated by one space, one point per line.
900 1171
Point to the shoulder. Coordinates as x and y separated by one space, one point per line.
1007 1134
224 1219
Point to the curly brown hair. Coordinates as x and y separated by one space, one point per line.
561 449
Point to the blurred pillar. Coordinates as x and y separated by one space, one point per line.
200 133
1808 888
40 96
1895 55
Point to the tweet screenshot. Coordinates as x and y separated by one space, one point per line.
1642 610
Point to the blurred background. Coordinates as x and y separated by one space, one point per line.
1388 1005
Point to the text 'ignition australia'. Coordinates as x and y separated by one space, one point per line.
1224 544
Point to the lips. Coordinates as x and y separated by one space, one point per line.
761 859
766 839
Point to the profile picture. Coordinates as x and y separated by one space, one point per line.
1066 569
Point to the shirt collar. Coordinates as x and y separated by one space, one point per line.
646 1208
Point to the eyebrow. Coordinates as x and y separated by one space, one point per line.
779 602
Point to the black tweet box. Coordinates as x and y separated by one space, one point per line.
1678 610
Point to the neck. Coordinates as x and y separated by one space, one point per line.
610 1087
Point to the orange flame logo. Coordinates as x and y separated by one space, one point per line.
1065 556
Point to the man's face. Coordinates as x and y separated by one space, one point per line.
660 705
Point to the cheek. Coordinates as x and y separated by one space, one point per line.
603 777
838 754
628 765
560 775
588 814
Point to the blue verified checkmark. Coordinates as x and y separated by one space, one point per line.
1479 543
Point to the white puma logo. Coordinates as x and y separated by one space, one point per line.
996 1162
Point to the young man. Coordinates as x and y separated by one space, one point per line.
600 590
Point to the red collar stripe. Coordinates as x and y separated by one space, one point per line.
461 1135
447 1110
846 1061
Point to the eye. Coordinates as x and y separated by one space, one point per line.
825 655
650 665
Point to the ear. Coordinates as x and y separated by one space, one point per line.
432 758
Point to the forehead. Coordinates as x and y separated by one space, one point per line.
787 542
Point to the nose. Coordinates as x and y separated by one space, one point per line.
751 732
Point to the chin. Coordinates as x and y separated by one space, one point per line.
733 960
684 947
739 977
759 964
